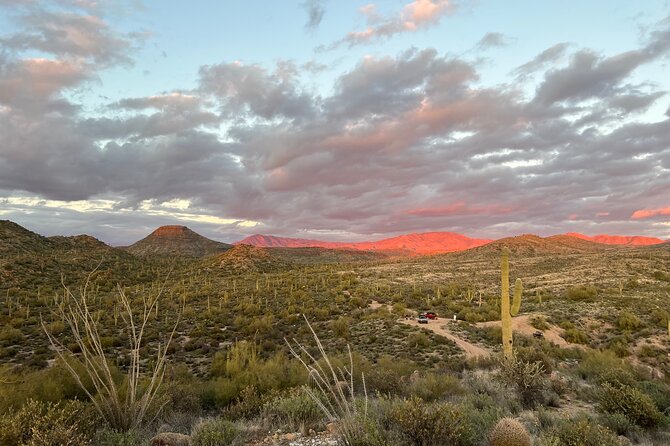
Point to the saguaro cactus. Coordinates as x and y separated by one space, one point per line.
505 310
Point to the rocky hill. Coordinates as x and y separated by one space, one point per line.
176 241
628 240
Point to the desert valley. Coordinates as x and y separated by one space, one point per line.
591 337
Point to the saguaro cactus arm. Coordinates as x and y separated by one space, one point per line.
516 304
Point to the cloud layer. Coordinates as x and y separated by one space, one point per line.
409 142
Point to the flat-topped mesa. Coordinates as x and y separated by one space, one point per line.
172 231
176 240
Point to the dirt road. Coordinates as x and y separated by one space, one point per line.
521 324
441 328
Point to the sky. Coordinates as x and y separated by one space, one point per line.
335 120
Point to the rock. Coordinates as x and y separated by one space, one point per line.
171 439
414 377
331 428
289 437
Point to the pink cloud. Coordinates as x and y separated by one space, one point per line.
421 12
415 15
459 208
648 213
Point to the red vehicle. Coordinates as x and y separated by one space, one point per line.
431 315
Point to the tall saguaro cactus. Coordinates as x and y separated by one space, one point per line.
505 310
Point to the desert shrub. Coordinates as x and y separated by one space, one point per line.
295 411
526 377
509 432
539 322
367 431
109 437
418 339
425 424
340 327
480 414
39 424
485 393
215 432
581 292
388 374
623 399
617 423
660 317
433 386
658 392
581 431
628 321
596 364
575 336
619 346
242 368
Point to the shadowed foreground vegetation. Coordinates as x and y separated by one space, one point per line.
230 378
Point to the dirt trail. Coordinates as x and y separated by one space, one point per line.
440 327
521 324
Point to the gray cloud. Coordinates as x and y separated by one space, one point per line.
492 40
315 10
542 60
406 143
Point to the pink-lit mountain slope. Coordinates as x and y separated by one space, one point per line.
412 244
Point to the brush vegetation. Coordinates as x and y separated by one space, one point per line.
225 374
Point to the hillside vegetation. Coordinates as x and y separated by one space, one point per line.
599 375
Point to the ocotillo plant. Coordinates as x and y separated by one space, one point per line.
506 311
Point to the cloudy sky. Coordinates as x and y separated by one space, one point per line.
339 120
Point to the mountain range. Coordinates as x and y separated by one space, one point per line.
181 241
442 242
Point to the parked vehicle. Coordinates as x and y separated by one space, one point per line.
423 319
538 334
431 315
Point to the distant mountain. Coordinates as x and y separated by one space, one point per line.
529 244
176 240
409 244
271 241
630 240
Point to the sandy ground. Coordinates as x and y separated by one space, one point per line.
441 328
521 324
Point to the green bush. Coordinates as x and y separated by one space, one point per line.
597 364
424 424
108 437
417 340
617 423
215 432
575 336
628 321
581 431
539 322
623 399
434 386
526 377
295 411
581 292
42 424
